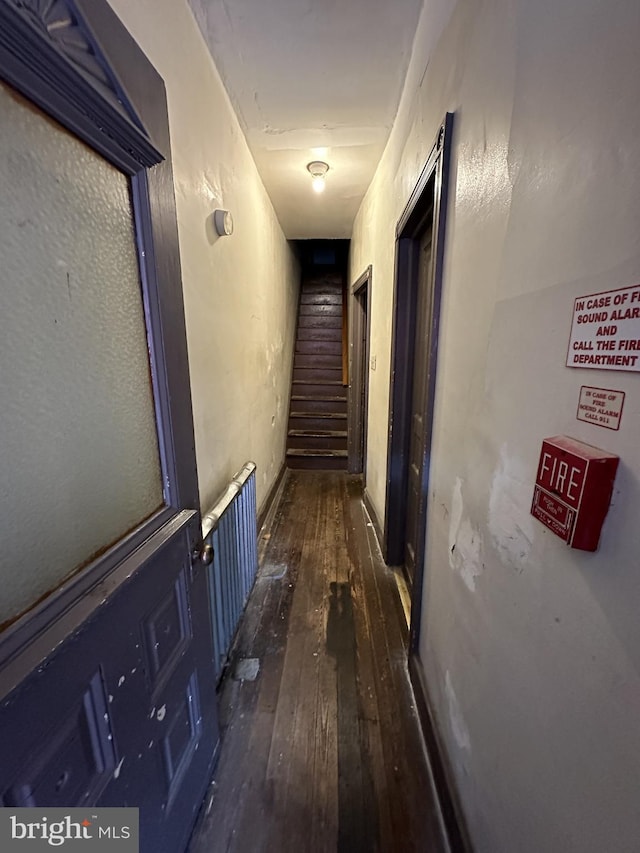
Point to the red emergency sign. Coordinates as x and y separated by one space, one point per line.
573 490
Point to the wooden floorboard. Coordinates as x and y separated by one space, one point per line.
322 751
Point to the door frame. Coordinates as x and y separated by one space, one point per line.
432 188
359 329
115 101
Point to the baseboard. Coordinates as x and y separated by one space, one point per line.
374 518
270 501
443 778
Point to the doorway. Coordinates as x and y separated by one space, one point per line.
414 348
418 413
359 335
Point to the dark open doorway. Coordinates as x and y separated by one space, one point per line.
317 432
416 311
359 332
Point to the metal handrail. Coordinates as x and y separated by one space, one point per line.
212 518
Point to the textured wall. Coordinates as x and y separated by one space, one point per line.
241 291
531 650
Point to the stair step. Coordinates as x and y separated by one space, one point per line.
313 406
324 398
311 321
314 423
317 374
299 451
326 348
316 387
318 381
315 420
319 433
308 359
337 415
322 288
315 440
321 298
317 463
315 310
313 333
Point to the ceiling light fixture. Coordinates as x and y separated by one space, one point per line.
317 169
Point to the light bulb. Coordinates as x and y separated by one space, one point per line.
317 169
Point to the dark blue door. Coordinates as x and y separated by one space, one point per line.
107 682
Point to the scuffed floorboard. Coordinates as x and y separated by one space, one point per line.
321 751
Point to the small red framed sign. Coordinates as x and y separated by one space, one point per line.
600 406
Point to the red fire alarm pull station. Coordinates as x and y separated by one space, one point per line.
573 490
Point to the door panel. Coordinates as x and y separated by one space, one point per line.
417 439
130 700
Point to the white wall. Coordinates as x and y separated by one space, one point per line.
240 292
531 650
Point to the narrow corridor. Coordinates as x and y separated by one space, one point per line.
321 750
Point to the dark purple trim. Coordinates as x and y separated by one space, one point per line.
441 202
450 808
356 411
81 95
431 185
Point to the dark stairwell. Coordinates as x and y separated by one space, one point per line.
317 433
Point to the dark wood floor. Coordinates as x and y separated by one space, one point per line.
322 750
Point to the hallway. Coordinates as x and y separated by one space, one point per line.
168 169
322 750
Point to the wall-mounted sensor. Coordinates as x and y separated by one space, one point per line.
223 222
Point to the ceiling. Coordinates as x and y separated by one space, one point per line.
312 80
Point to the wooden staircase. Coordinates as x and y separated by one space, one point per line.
317 436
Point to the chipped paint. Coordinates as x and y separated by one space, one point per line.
510 522
121 680
455 517
162 712
458 725
116 772
465 542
